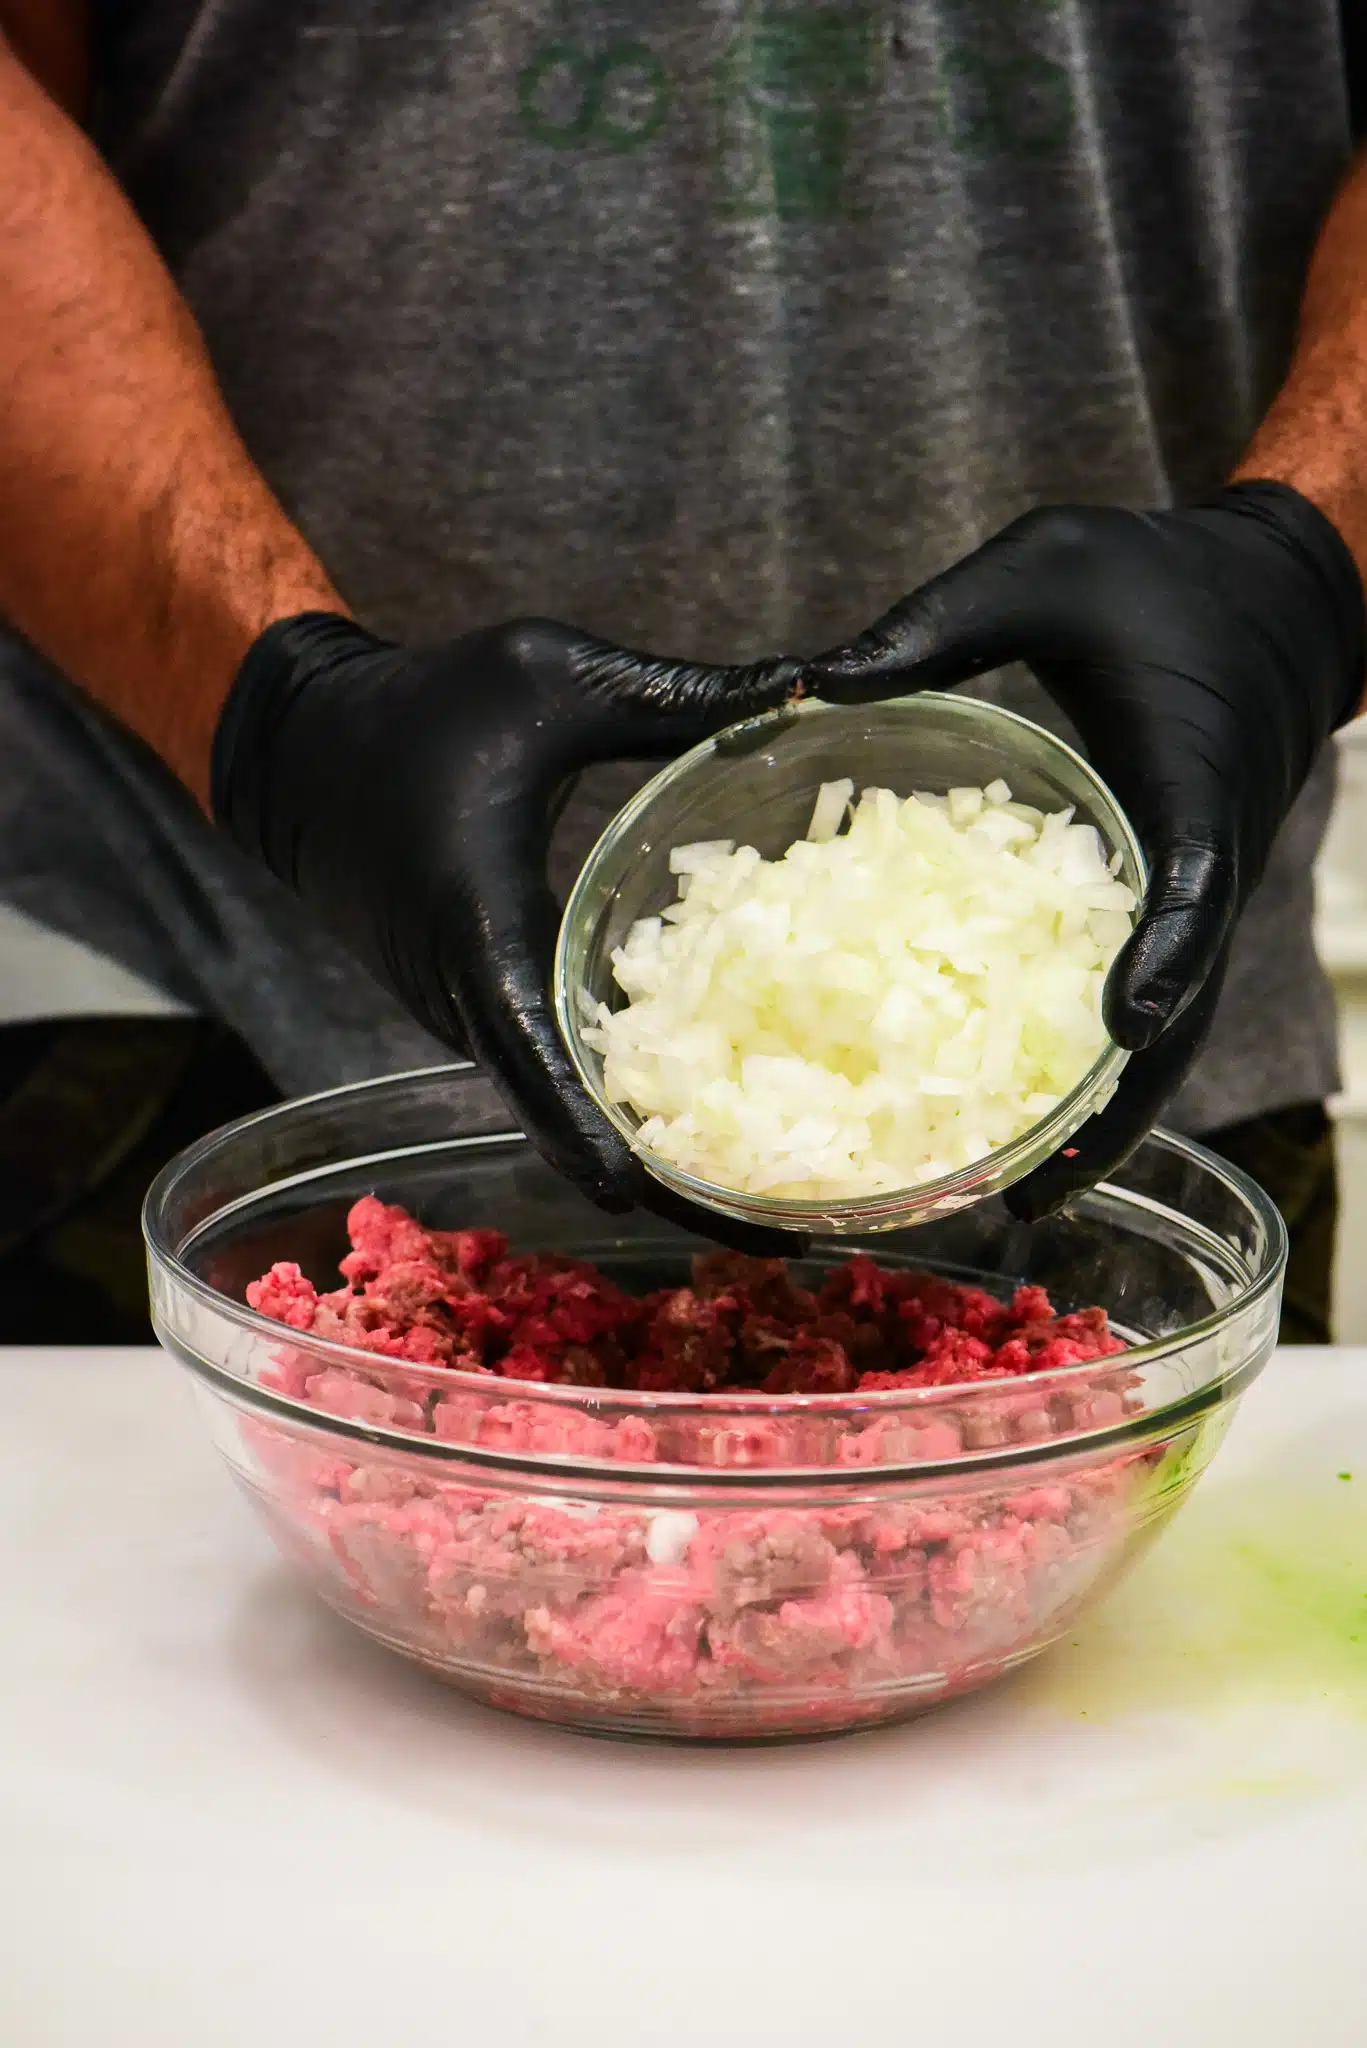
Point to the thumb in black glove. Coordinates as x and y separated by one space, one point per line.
1204 657
407 795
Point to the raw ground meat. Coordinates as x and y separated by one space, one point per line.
455 1298
707 1619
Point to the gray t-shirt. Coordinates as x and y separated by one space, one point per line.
711 327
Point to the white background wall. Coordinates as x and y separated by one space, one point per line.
43 974
1343 945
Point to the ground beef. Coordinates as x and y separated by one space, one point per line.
701 1618
455 1298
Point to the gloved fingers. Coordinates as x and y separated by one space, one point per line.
506 1013
499 982
1149 1083
962 623
640 707
506 930
1185 925
756 1241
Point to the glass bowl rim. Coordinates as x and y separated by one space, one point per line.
1036 1142
168 1261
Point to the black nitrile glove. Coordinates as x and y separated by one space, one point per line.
408 795
1204 656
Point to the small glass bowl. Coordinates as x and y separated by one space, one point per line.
756 783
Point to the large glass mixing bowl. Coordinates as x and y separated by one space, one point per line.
722 1566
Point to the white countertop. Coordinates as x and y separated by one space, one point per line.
226 1819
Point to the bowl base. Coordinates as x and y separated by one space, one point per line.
762 1721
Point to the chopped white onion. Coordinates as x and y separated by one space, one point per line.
668 1535
832 802
880 1007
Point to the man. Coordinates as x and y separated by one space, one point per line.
388 324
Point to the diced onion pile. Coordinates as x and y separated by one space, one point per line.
880 1007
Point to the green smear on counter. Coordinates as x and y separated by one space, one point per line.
1257 1592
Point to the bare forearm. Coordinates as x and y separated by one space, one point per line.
140 548
1315 436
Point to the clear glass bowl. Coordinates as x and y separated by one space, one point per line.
757 783
728 1566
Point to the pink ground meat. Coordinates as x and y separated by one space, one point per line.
677 1609
456 1298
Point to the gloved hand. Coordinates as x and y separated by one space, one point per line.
407 795
1204 656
